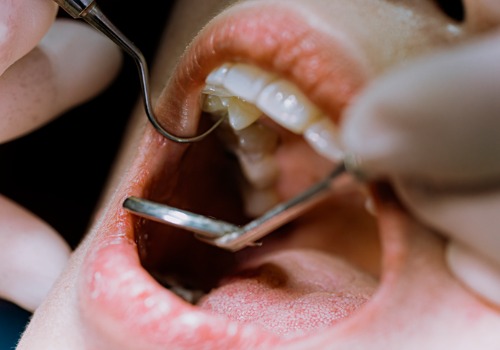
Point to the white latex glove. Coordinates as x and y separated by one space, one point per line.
433 129
46 67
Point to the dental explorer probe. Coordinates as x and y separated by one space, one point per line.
88 11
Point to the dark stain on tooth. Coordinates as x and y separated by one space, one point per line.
273 276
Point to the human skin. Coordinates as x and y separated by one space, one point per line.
99 301
38 69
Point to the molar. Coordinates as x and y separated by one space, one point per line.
258 139
190 295
261 170
214 105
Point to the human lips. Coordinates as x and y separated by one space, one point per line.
120 298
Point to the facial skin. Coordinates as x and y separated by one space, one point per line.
106 300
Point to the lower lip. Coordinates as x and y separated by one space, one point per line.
123 307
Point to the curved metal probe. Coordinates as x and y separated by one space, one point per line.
229 236
88 11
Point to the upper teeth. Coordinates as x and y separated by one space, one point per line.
244 93
254 90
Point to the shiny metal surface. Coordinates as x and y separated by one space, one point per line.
226 235
89 11
204 226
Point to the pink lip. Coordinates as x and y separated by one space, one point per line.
123 306
275 38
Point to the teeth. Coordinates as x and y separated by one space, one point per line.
286 105
260 170
322 137
214 105
257 139
241 113
214 82
192 296
246 81
216 91
280 100
217 76
244 93
257 202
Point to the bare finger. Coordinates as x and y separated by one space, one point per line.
72 64
23 23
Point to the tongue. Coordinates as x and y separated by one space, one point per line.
291 292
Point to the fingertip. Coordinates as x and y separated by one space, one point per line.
474 271
72 64
33 256
366 135
84 60
22 25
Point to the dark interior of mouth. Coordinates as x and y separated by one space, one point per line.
206 181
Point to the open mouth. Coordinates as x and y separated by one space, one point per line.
317 272
279 139
274 144
308 275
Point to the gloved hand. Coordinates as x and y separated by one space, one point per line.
433 129
46 67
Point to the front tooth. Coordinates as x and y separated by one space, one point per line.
246 81
214 82
241 114
287 105
322 136
217 76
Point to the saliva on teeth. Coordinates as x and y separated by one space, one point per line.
244 93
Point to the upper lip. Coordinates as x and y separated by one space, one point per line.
113 283
276 39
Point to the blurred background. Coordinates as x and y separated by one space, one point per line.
59 171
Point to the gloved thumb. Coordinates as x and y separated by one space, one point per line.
437 119
433 129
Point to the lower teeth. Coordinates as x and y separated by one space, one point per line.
170 282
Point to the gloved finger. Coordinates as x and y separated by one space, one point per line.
476 272
33 256
471 220
22 24
72 64
436 119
